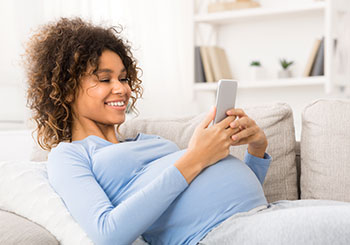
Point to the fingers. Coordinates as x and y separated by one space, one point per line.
236 112
242 123
209 118
225 123
229 132
243 141
244 135
232 115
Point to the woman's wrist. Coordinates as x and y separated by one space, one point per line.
257 152
189 166
258 147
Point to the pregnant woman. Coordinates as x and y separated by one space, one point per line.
82 78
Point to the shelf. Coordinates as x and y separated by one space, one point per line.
225 17
273 83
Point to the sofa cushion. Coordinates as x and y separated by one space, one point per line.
25 190
325 150
15 229
275 119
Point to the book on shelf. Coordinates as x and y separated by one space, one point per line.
199 75
219 63
318 66
204 51
316 54
231 5
215 63
312 56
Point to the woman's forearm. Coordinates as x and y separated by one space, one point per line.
189 166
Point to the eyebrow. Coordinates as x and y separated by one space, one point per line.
108 70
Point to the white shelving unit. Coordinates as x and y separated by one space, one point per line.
332 15
321 9
228 17
277 29
271 83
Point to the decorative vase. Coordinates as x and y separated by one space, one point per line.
256 73
284 73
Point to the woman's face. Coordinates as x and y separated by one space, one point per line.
103 97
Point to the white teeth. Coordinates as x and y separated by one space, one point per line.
119 103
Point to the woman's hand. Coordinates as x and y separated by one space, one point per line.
207 146
211 144
247 132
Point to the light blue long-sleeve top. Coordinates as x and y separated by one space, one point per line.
116 192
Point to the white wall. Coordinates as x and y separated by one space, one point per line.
16 19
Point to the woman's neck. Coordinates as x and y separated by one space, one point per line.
81 130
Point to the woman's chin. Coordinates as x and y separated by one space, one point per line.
114 120
120 120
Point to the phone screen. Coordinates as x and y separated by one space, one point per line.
225 98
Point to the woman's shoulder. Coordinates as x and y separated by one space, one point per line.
67 160
66 147
67 150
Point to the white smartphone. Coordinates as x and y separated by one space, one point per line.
225 98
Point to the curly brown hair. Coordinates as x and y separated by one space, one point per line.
57 56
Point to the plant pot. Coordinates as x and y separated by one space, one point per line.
284 73
257 73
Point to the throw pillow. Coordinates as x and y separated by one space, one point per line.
325 150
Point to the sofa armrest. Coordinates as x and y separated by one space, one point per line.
15 229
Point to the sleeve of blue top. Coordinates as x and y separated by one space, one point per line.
258 165
71 176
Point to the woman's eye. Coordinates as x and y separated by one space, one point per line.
125 80
104 80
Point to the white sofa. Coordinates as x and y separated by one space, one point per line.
317 167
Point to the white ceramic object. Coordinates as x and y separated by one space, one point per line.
257 73
284 73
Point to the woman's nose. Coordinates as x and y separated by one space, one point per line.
118 87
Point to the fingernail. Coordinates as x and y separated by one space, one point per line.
229 113
233 125
234 137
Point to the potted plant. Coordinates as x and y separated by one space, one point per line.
256 70
285 72
255 63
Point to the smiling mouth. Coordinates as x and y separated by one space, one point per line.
116 103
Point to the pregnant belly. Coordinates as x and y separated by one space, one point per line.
218 192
